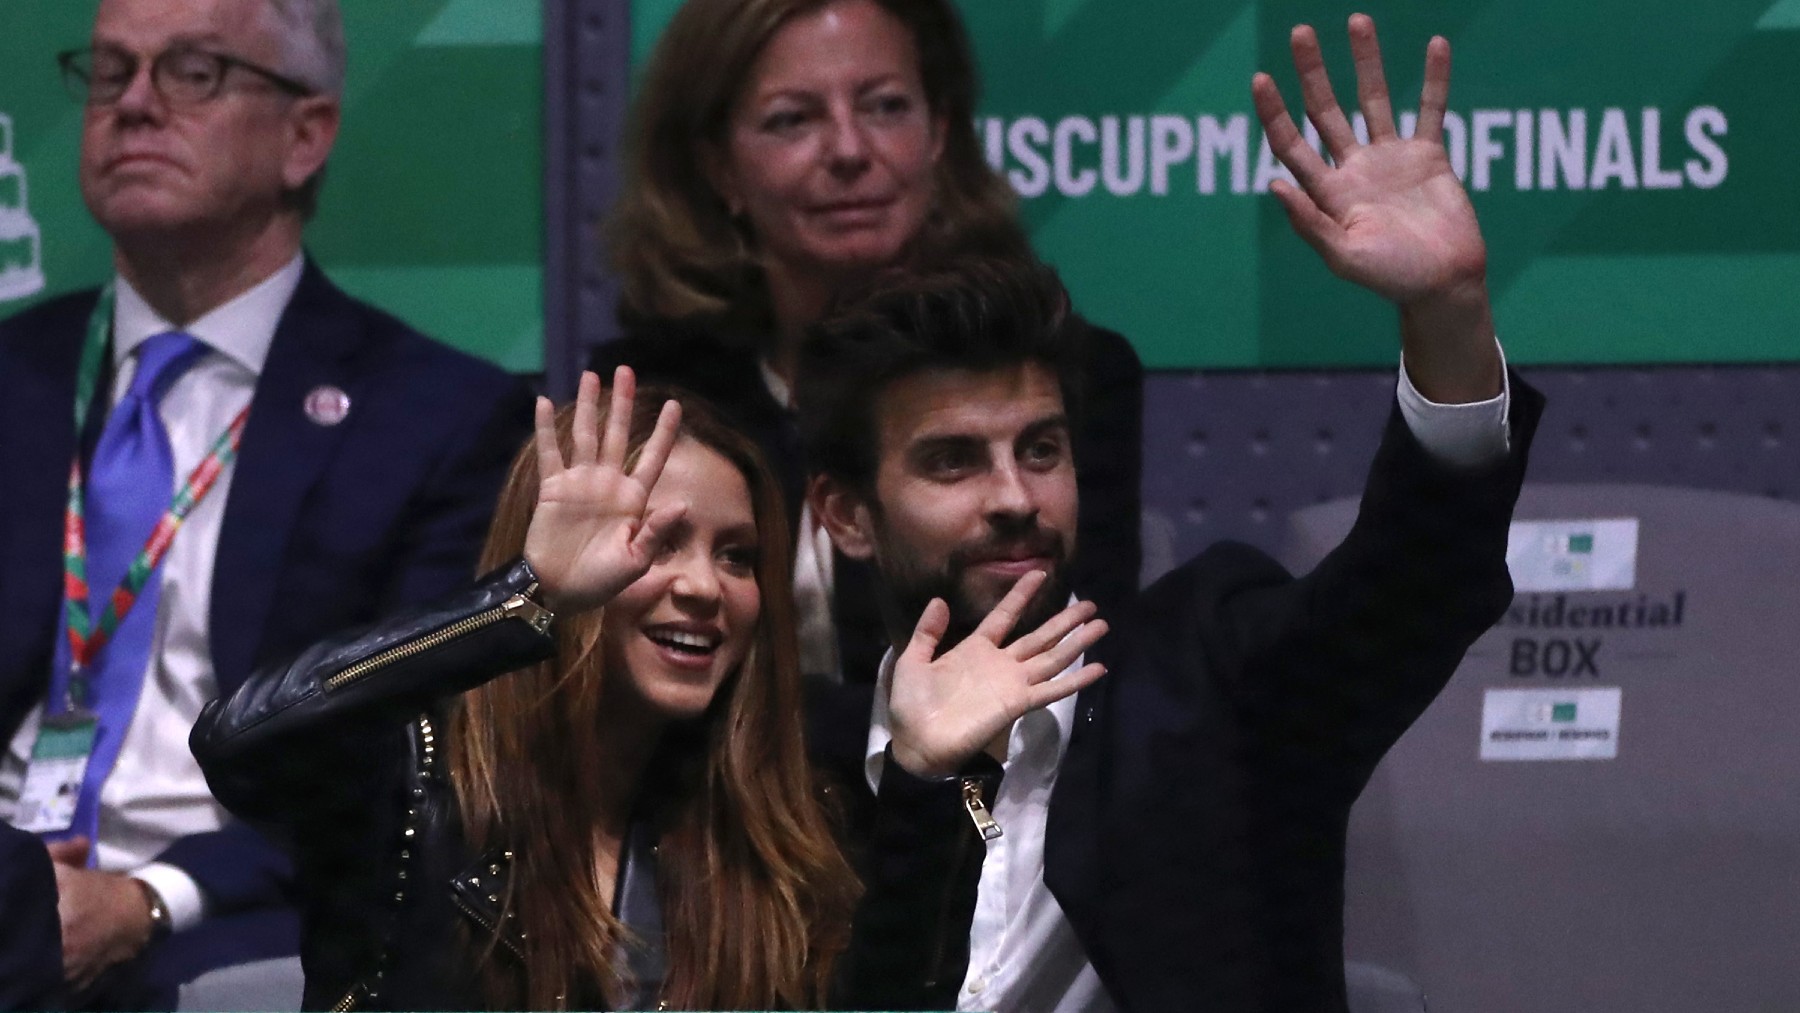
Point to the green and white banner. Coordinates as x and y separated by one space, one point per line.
433 204
1631 163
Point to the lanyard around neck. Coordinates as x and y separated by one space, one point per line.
86 636
93 351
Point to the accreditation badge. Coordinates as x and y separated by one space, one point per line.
59 761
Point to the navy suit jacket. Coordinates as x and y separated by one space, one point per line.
31 945
325 526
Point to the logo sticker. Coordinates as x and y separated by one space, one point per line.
1588 555
1550 724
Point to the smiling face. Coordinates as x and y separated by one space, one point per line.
831 147
676 634
148 167
975 488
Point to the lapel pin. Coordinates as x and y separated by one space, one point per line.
327 405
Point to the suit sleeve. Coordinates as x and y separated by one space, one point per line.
1344 659
1109 456
31 946
236 868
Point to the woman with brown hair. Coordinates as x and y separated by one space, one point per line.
627 819
779 153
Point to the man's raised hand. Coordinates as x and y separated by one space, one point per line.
1390 215
947 708
590 536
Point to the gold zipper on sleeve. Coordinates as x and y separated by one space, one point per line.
978 810
989 829
517 607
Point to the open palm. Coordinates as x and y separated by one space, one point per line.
590 536
945 709
1390 214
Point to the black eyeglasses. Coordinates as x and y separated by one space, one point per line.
182 76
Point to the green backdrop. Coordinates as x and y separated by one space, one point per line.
1664 228
1630 162
433 203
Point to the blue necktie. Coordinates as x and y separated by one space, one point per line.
130 483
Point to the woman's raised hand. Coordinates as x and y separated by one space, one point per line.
946 709
590 536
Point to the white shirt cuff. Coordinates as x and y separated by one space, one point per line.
178 891
1464 435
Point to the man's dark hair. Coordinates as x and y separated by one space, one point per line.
977 314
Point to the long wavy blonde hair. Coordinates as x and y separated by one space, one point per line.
756 895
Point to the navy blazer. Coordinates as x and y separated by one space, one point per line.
31 945
325 526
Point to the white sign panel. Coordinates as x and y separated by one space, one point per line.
1582 555
1550 724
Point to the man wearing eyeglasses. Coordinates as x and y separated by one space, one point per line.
317 461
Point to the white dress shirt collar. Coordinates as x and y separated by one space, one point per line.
242 328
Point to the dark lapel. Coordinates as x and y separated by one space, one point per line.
37 368
1072 868
283 455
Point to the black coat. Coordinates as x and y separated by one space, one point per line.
1195 835
1196 831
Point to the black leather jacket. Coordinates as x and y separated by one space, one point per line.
340 752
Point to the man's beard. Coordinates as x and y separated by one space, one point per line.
906 588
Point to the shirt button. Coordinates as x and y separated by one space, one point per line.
977 986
